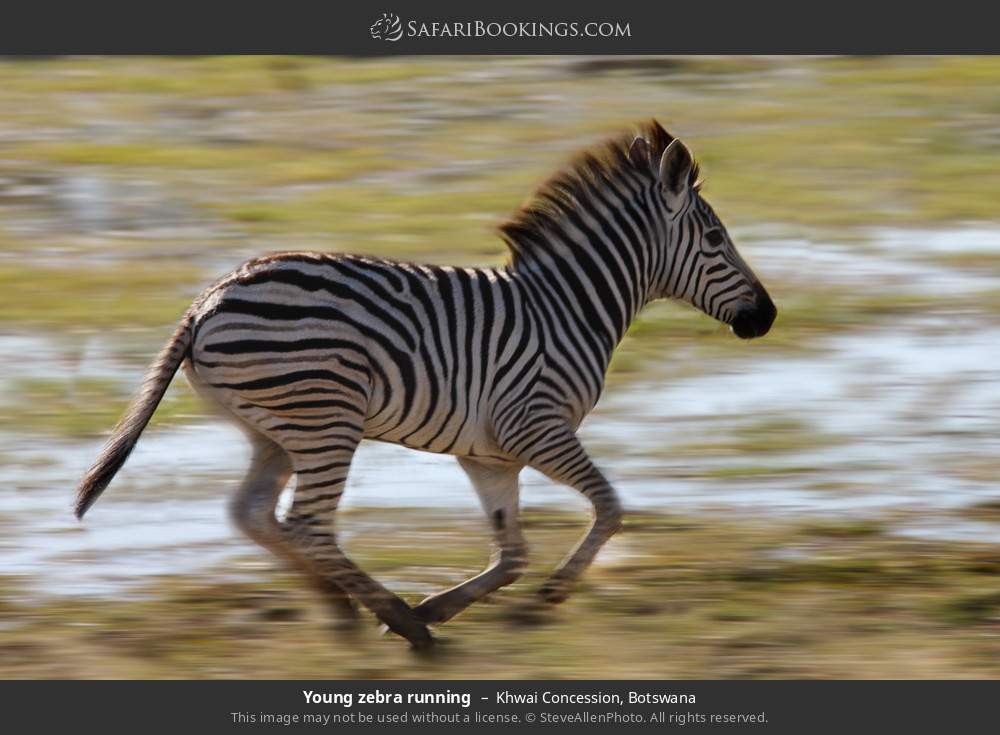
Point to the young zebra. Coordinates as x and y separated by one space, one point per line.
310 353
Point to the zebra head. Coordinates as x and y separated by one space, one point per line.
702 266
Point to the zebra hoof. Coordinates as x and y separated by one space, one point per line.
552 594
416 633
424 646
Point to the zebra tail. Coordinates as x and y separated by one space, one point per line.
126 432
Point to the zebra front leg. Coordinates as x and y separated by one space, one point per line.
253 511
559 455
321 473
497 487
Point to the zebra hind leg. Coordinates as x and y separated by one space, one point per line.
253 511
321 473
253 506
497 487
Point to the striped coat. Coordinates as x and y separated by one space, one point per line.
310 353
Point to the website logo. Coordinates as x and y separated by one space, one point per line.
390 28
387 28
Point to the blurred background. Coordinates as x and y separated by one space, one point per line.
819 503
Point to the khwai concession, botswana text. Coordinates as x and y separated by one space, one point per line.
507 697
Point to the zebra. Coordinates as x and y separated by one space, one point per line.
311 352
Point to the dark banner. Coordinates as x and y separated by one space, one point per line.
449 27
495 706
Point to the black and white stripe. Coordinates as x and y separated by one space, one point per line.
311 353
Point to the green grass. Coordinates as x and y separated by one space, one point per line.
452 224
266 165
84 407
843 142
408 158
976 261
419 159
678 335
766 435
122 296
202 77
681 597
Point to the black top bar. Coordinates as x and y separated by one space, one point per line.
510 27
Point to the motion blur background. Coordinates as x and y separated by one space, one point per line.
819 503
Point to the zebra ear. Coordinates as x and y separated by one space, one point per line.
675 173
639 153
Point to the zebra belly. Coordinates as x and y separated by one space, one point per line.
435 423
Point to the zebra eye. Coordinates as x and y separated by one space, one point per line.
715 238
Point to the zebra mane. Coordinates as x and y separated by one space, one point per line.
592 169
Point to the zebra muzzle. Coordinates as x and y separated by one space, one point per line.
755 319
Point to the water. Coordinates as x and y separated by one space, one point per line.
896 260
907 418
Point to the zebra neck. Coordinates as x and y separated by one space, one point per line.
580 300
598 260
